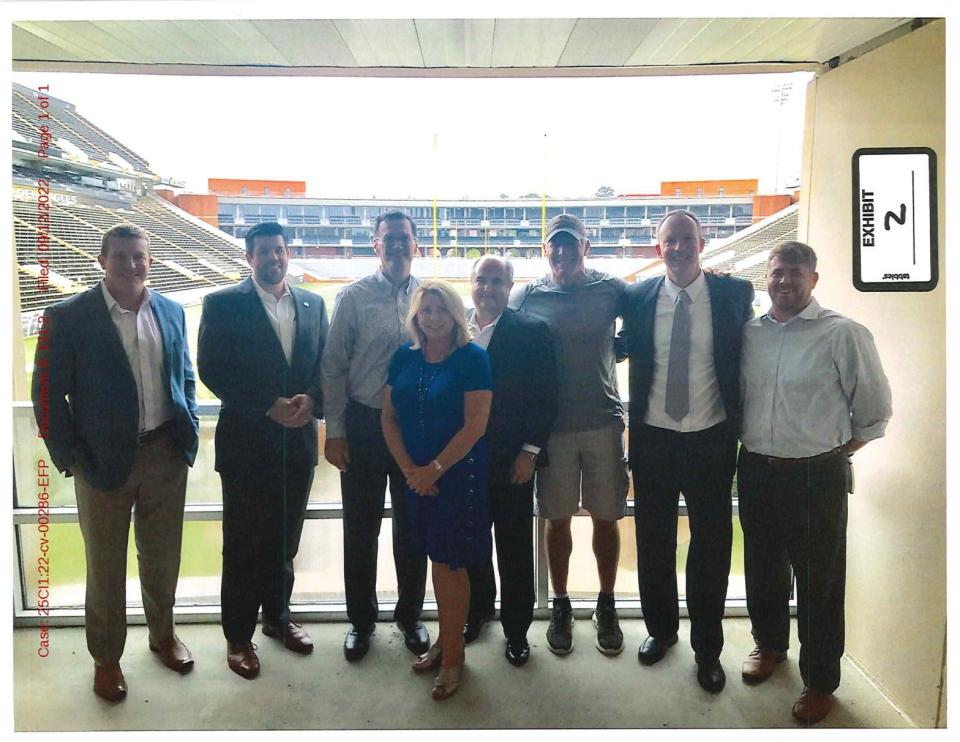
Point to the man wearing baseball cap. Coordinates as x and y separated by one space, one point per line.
586 457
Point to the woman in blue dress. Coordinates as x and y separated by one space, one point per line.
435 411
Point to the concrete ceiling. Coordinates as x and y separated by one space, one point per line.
464 47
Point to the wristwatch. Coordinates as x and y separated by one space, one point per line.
437 465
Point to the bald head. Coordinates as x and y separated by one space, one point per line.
490 282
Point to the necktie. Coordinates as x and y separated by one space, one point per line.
678 369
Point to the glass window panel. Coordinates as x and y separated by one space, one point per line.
200 562
584 584
318 565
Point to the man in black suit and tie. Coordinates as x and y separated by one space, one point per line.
521 416
683 335
259 352
113 393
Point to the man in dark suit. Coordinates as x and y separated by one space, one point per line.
521 416
259 352
113 394
683 335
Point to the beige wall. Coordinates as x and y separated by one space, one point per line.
896 558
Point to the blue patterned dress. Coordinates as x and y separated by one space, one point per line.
452 528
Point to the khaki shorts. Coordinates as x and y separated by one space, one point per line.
585 466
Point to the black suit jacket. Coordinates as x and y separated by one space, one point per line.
84 393
731 302
240 359
524 402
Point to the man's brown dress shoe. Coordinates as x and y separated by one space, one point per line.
109 683
243 660
293 634
812 706
760 664
174 654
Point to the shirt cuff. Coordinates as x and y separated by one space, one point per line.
535 450
870 432
336 428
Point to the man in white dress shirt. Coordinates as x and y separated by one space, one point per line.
259 352
113 392
683 338
813 393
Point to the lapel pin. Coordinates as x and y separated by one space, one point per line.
306 304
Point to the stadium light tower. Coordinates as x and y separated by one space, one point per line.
781 94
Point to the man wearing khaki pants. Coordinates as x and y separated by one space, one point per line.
113 393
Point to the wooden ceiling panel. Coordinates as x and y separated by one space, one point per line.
530 42
547 44
456 42
600 42
30 46
382 43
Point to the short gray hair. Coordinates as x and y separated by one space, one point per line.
499 259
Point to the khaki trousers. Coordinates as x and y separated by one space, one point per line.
155 491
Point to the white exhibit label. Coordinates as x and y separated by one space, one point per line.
894 219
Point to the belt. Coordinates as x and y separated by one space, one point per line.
150 436
778 461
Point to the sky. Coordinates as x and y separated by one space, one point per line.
443 138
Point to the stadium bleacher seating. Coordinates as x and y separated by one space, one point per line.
733 254
185 256
65 123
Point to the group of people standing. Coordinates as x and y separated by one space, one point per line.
472 419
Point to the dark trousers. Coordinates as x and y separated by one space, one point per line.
795 514
263 511
511 508
701 465
363 492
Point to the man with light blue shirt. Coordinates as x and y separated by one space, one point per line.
368 326
813 392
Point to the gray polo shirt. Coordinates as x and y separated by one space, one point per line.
582 320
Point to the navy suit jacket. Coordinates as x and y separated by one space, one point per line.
731 302
524 404
84 394
240 359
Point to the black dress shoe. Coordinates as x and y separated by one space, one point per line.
653 649
711 677
517 652
356 644
415 637
474 623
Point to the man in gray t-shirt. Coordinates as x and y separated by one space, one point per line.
585 450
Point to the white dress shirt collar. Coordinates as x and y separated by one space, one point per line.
112 302
811 311
482 336
263 293
694 290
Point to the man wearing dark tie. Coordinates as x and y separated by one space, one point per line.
114 388
259 352
521 415
683 339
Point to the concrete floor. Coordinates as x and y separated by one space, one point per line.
582 690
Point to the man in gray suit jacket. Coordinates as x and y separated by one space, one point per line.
113 393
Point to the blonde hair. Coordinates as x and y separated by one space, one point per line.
451 302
